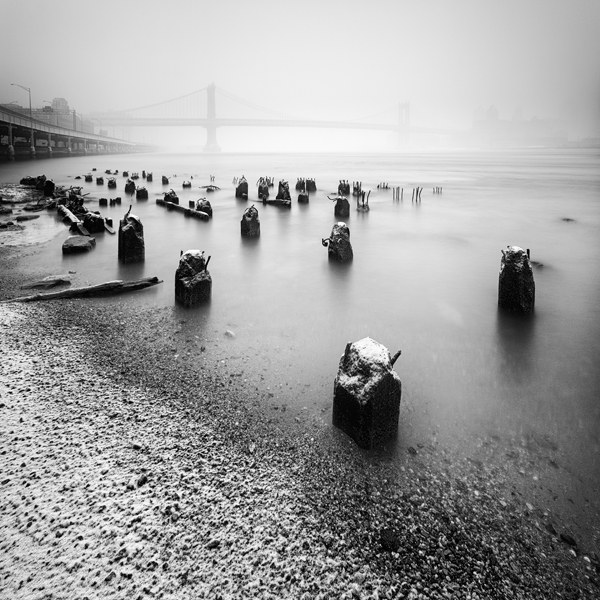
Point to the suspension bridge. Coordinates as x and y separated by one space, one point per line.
212 107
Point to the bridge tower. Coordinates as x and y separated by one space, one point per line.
403 123
211 120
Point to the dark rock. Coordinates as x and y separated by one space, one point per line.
49 187
250 224
342 207
40 182
76 244
568 539
131 239
338 243
389 540
366 394
142 194
193 283
303 197
516 287
550 528
26 218
93 222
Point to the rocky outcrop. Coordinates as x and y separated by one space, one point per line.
516 287
131 239
366 393
303 197
193 283
77 244
338 243
250 224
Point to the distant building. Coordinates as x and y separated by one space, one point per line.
493 132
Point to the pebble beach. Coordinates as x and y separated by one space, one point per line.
131 469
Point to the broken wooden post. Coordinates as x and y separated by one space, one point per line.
367 393
342 206
516 287
338 243
193 283
131 239
241 191
250 224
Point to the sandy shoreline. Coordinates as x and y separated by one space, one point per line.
233 502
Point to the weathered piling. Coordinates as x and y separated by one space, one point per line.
131 239
283 192
338 243
342 206
193 283
250 223
141 193
241 191
516 287
367 393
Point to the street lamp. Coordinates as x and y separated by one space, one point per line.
28 90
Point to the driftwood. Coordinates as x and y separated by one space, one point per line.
47 282
188 212
75 222
102 289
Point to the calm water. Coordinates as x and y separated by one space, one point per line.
424 279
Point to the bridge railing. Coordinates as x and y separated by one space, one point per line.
25 122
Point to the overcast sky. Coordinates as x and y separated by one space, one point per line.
311 58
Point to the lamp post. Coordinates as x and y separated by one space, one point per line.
28 90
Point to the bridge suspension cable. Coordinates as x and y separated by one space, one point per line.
163 103
392 111
256 106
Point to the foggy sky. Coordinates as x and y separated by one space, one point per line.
312 58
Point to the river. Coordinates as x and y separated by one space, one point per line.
424 279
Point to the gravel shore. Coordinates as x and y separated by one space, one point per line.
130 470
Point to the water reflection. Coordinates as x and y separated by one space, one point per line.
515 334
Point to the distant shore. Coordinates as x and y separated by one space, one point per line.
128 469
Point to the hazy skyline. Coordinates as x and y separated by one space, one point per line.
313 59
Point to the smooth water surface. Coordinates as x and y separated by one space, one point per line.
424 279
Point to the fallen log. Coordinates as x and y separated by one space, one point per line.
188 212
67 215
75 224
102 289
48 282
